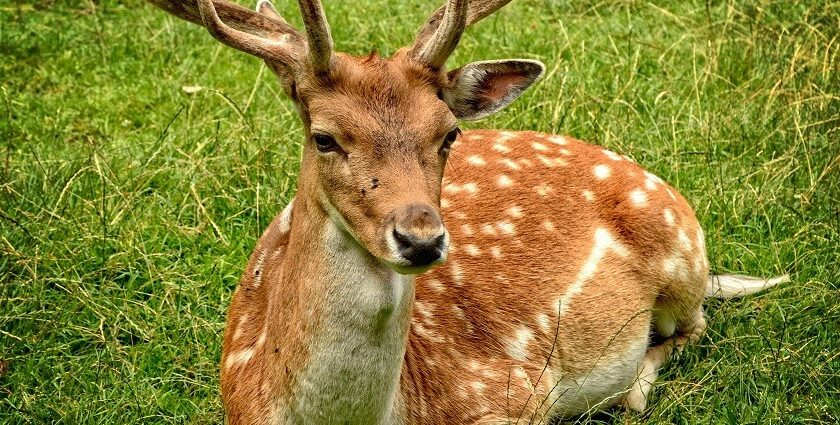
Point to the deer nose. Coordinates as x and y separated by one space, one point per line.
419 235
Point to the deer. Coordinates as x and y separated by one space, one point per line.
527 277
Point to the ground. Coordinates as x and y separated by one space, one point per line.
140 160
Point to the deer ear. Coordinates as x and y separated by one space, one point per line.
480 89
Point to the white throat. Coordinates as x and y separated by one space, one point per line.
357 351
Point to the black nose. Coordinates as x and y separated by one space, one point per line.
419 252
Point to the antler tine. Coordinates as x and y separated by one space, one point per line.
280 51
237 16
436 48
318 34
476 11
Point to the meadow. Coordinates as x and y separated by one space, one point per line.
140 160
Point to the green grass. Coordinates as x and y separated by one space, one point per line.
128 207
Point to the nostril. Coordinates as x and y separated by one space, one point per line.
404 242
439 241
419 252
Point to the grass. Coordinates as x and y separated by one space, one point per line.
128 206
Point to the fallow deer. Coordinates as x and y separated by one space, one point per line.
557 259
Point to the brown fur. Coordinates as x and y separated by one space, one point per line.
562 254
497 295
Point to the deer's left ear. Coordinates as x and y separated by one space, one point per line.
480 89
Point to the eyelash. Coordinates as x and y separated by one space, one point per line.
449 139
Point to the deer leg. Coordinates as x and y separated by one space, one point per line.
656 356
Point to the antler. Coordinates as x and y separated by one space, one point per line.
265 35
438 31
434 51
318 33
239 17
275 50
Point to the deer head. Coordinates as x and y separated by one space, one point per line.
379 130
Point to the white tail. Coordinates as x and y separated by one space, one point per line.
515 282
733 285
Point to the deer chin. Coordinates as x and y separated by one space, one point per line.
403 267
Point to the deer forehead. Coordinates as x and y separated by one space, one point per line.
375 95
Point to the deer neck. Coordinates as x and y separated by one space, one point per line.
353 313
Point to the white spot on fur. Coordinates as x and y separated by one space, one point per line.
496 252
458 312
424 309
604 243
240 328
675 266
544 321
435 285
653 177
669 265
611 155
517 348
698 264
526 162
552 162
638 197
685 241
242 356
478 386
543 189
669 216
601 171
650 184
504 181
457 273
474 137
515 211
488 229
501 148
588 195
444 203
510 164
454 188
539 146
460 215
504 136
472 250
425 333
548 225
565 151
558 140
476 160
467 230
506 227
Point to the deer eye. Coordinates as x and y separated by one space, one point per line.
325 142
450 139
